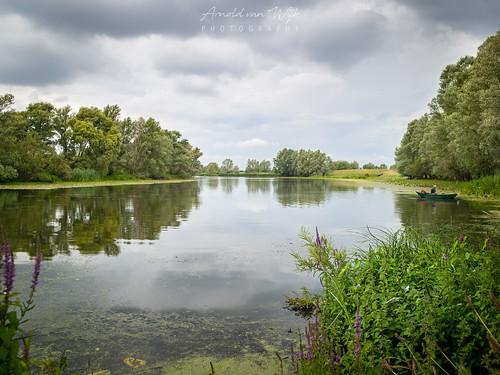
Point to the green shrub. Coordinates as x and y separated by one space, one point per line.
402 306
485 186
82 175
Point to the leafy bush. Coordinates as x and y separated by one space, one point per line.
411 304
7 173
485 186
82 175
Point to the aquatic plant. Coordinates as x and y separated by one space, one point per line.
410 304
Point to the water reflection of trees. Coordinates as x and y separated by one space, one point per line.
305 192
228 184
92 219
453 216
258 185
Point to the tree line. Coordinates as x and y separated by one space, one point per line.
45 143
289 163
459 137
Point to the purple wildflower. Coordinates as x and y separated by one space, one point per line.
488 241
36 270
446 256
357 333
318 239
26 352
9 269
460 239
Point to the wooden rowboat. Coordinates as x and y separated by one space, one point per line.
436 196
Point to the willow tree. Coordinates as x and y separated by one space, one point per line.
459 137
94 140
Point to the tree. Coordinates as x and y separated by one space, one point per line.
95 139
62 129
228 167
285 162
265 166
408 157
459 138
40 120
252 166
212 169
369 166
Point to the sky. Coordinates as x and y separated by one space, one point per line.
244 79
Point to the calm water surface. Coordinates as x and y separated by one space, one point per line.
190 272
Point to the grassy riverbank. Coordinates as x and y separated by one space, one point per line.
77 184
412 304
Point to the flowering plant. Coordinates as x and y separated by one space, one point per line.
12 313
410 304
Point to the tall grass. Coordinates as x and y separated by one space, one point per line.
485 186
403 306
84 175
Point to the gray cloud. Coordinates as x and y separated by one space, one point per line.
117 19
346 81
478 16
345 41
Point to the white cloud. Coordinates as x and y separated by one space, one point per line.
254 142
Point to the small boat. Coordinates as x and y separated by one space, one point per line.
436 196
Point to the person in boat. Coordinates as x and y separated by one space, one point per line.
433 190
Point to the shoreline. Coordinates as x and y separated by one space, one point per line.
71 185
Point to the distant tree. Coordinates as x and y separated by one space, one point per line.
228 167
252 166
212 168
383 166
369 166
285 162
340 165
354 165
265 166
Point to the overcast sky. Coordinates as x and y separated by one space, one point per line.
243 79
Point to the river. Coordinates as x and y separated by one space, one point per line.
180 275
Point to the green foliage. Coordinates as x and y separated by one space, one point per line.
485 186
254 166
343 165
459 138
44 143
7 173
228 167
403 306
302 163
211 169
82 175
369 166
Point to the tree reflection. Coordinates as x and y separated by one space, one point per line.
228 184
90 220
258 185
304 192
451 216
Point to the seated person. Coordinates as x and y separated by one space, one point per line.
433 190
